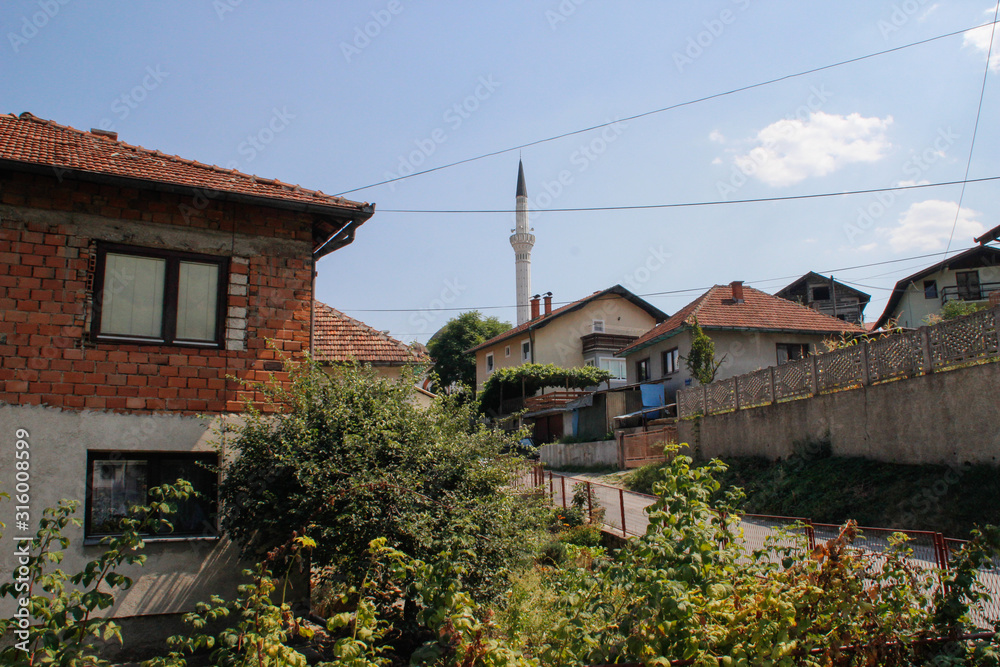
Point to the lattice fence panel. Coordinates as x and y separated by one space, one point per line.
755 388
690 402
964 339
721 396
793 379
895 356
840 368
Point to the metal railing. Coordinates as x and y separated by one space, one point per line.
624 514
980 292
927 350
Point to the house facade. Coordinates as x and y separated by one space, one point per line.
134 287
828 296
750 329
585 332
339 339
971 276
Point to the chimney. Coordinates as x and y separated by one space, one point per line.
113 136
737 286
534 306
548 302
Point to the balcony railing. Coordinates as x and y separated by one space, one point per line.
556 399
605 341
980 293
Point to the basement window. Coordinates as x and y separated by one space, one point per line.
118 480
162 297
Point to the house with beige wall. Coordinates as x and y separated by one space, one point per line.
339 339
971 276
750 329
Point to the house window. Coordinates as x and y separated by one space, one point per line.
158 296
930 289
614 366
670 359
598 326
792 352
525 351
118 480
489 363
642 370
821 293
968 285
506 351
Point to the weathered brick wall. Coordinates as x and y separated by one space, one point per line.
48 230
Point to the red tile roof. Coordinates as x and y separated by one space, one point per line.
574 305
340 338
715 309
35 141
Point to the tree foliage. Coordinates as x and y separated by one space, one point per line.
352 459
509 382
448 347
701 361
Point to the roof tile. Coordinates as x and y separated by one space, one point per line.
340 338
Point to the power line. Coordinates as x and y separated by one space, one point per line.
975 129
636 207
648 294
671 107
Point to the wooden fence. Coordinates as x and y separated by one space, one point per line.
926 350
645 447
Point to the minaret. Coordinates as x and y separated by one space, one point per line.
522 241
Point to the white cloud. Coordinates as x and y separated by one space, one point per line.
906 184
794 149
979 40
930 10
716 137
926 226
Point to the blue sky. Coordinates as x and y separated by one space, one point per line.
362 91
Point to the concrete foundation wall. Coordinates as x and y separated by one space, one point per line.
950 417
178 573
601 453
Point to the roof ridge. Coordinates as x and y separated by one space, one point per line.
84 134
369 328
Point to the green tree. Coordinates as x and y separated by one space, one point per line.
701 359
448 347
348 459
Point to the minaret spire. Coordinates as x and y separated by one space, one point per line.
522 240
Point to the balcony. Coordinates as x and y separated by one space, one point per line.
556 399
969 293
606 342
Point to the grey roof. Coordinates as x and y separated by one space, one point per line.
522 191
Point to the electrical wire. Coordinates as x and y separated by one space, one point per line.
975 129
635 207
671 107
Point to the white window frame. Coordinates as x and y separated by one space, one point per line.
526 355
490 363
506 352
597 326
620 363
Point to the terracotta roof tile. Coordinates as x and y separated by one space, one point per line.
340 338
715 309
32 140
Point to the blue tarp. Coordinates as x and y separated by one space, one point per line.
652 397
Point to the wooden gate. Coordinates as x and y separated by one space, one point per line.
646 447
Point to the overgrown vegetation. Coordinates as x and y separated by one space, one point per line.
453 367
701 362
527 379
483 589
949 500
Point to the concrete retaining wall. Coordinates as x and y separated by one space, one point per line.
950 417
600 453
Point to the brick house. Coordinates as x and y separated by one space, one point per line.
133 284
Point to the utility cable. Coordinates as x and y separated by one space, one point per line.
671 107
